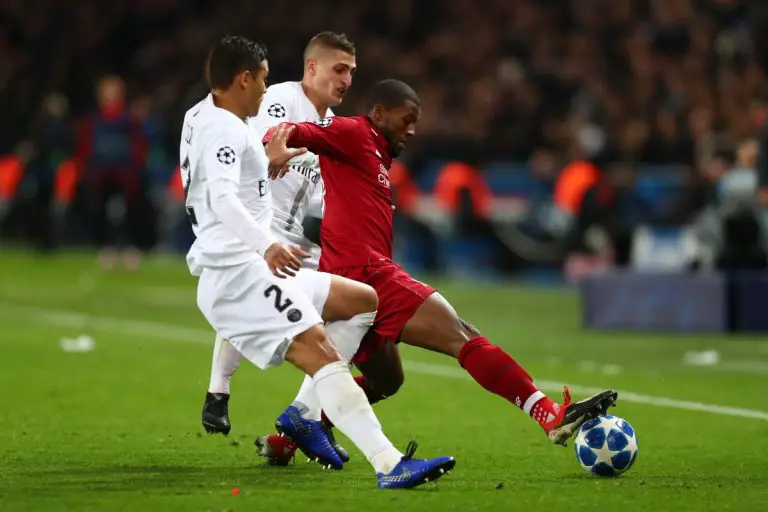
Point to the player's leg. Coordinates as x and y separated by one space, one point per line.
381 368
226 359
382 376
259 314
347 305
312 352
436 326
349 308
395 308
270 320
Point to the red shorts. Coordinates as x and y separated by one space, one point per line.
400 295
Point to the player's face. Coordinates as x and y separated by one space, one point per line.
256 86
400 125
331 73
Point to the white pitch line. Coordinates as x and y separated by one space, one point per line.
624 396
165 331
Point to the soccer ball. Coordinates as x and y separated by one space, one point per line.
606 446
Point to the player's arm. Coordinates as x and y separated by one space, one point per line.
335 137
222 156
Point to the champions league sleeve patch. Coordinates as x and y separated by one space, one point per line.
226 155
324 122
276 110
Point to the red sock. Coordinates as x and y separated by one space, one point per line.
497 372
370 394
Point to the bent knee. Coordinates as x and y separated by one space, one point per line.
391 386
470 330
312 338
310 350
368 299
354 298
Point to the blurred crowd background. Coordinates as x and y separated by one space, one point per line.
542 120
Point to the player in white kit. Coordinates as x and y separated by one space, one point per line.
329 62
242 289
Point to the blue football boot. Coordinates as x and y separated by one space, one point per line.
310 436
411 472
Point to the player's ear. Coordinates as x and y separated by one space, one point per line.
242 79
377 113
312 66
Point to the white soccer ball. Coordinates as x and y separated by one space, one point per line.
606 446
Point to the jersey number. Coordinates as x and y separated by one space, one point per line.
280 305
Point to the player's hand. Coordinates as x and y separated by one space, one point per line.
275 172
284 260
279 153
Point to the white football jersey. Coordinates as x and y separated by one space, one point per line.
300 191
215 145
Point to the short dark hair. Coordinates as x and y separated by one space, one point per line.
390 93
331 41
231 56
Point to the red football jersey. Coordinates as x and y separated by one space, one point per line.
354 164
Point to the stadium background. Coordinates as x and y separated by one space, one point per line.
541 121
650 92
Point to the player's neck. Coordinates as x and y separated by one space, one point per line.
312 96
226 102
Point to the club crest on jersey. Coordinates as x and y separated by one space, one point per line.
226 155
276 110
294 315
324 122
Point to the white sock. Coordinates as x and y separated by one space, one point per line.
346 336
346 406
306 401
226 359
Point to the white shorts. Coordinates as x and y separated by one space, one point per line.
258 313
313 262
317 286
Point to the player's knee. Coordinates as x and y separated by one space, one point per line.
469 330
362 298
313 340
368 299
310 350
351 299
390 386
460 336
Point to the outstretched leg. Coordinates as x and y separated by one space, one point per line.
436 326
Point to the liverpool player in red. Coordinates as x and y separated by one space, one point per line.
355 157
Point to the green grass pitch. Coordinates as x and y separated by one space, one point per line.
118 428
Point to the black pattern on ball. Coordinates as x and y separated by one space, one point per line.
324 122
